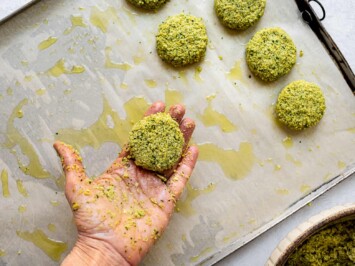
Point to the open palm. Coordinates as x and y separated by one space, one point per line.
127 208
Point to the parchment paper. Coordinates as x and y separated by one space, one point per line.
109 59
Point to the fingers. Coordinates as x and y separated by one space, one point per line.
157 107
72 166
177 181
124 152
187 127
177 112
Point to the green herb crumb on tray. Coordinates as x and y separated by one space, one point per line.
239 14
182 40
271 54
148 4
156 142
300 105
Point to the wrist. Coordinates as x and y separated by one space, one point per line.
89 251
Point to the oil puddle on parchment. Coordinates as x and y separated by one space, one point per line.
236 72
173 97
102 19
14 138
184 206
231 236
22 209
5 183
47 43
197 76
138 59
94 136
203 242
100 132
235 164
183 77
287 142
203 253
210 117
52 227
282 191
290 158
110 64
60 68
76 21
151 83
131 15
341 165
54 249
21 188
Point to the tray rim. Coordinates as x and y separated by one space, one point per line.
349 76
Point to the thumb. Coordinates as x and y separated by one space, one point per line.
177 181
72 167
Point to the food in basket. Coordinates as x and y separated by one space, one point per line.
239 14
182 40
156 142
148 4
300 105
334 245
271 54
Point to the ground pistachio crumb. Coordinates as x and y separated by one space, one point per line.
148 4
156 142
300 105
75 206
182 40
239 14
334 245
271 54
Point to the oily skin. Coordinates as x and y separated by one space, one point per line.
121 214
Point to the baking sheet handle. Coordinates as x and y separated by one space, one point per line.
310 17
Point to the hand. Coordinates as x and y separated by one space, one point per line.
120 214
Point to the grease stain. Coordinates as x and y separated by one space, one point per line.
184 206
102 19
47 43
173 97
76 21
236 72
110 64
5 183
210 117
287 142
99 132
203 253
52 248
290 158
341 165
14 138
22 208
59 69
21 188
151 83
235 164
197 76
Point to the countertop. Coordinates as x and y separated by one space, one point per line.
340 23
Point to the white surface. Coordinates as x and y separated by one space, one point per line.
9 7
340 23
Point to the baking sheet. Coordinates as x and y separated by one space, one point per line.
82 71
